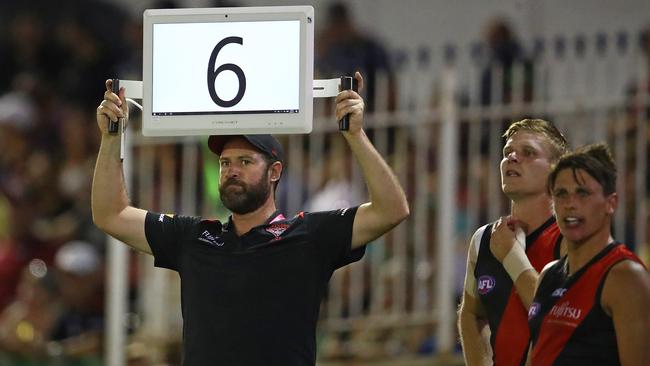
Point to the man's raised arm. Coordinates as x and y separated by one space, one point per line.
110 202
388 206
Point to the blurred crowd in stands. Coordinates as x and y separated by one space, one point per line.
54 58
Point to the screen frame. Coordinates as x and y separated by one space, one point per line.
235 123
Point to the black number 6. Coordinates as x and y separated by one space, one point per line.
212 74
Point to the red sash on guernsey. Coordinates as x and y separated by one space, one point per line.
513 335
572 308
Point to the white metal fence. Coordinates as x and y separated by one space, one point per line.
443 141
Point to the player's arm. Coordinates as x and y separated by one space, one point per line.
388 206
507 244
626 298
109 200
472 325
474 332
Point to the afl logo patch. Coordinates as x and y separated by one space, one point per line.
485 284
534 309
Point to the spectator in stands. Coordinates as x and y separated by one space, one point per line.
626 131
342 49
79 273
635 88
504 55
26 48
504 52
26 324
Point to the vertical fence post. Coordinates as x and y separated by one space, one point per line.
446 211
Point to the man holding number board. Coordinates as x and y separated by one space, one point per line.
251 287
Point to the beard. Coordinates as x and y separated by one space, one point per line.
246 199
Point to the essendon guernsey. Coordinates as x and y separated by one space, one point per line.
568 325
506 313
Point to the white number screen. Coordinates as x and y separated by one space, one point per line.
226 68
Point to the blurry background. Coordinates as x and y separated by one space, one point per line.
444 79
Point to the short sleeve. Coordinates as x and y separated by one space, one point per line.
166 235
472 258
332 233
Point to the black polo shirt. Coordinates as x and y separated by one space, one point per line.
254 299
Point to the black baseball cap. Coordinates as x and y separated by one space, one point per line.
264 143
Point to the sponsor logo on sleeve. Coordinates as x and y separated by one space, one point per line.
207 237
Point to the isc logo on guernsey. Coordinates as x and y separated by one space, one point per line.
559 292
485 284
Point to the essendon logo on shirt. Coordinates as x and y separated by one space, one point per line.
277 229
485 284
